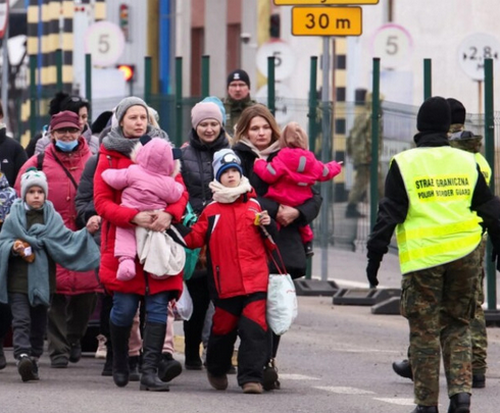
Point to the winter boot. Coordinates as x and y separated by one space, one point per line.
403 369
459 403
119 341
3 360
107 370
154 336
133 365
169 368
352 212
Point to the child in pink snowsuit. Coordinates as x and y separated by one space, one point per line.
292 173
147 185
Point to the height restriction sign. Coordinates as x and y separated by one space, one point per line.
326 21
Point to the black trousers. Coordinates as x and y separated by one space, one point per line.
198 289
28 326
244 316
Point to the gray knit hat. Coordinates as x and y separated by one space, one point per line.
33 177
127 103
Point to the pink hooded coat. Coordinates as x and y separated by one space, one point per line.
291 173
147 185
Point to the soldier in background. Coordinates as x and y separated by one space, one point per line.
467 141
359 149
238 98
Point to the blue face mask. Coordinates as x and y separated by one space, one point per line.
67 146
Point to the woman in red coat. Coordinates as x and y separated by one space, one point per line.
132 116
71 307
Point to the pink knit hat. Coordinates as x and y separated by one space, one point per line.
205 110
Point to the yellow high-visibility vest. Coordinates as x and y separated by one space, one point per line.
440 226
484 167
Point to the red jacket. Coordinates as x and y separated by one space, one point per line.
292 173
62 194
236 252
107 204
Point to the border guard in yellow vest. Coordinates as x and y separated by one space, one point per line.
436 199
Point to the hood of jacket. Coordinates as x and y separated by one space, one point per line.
156 156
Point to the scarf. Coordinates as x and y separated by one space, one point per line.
262 154
75 251
116 141
226 195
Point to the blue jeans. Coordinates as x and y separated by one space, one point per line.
125 307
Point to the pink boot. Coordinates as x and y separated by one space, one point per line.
126 269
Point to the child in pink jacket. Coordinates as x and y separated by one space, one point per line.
147 185
292 172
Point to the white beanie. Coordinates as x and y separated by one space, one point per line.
33 177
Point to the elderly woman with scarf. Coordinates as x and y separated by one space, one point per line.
256 137
115 151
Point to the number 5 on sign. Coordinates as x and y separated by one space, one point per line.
105 42
326 21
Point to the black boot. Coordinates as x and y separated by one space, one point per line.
425 409
478 381
3 360
403 368
133 366
119 341
459 403
352 212
169 368
108 365
154 336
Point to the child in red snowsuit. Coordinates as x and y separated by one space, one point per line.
292 173
238 274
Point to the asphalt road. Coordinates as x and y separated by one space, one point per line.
334 359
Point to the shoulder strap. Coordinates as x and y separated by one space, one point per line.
66 172
39 160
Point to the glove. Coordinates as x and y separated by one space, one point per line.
371 272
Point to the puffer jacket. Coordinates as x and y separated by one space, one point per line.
236 252
107 204
196 168
62 193
12 156
288 239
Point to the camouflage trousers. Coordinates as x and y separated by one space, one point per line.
361 184
439 304
479 335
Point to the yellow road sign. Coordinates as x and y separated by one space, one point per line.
321 2
327 21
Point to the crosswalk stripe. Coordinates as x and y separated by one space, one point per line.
344 390
400 402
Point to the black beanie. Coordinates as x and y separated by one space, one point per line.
434 115
238 74
457 111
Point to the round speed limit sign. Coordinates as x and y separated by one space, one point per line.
105 42
393 44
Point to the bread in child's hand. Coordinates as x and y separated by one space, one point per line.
24 250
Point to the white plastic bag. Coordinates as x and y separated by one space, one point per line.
282 304
184 305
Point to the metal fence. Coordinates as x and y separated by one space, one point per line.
399 127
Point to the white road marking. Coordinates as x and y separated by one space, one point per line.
297 377
344 390
399 402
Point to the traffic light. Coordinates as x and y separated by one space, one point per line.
128 72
